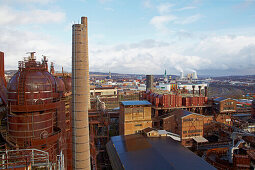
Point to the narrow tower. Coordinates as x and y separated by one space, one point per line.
149 82
2 67
80 92
165 77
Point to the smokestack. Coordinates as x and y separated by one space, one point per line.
193 90
199 90
80 96
181 75
205 91
149 82
2 67
194 75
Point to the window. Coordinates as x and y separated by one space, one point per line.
194 131
186 120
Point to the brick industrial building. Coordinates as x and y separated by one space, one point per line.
134 116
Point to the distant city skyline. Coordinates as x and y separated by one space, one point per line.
136 36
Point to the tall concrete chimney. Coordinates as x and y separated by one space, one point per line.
80 98
1 64
2 67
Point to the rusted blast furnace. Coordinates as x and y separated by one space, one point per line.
37 116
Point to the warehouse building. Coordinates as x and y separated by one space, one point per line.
224 105
140 152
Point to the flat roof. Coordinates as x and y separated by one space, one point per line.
150 153
200 139
135 102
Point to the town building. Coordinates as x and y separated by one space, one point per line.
224 105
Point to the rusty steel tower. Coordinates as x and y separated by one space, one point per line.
80 99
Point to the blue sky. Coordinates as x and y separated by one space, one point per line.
215 37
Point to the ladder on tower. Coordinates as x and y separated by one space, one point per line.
21 89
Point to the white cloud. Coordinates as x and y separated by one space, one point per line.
19 34
9 16
186 8
189 19
212 54
16 43
160 22
164 8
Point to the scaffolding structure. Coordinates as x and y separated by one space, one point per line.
99 122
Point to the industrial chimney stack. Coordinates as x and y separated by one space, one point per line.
199 90
149 82
206 91
80 99
1 64
2 67
193 90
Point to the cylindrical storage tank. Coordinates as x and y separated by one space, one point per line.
60 85
32 100
152 98
26 126
68 83
179 100
156 100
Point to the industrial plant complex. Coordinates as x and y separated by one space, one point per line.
62 121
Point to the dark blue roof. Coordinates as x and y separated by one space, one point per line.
219 99
135 102
145 153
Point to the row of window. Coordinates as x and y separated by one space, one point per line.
192 135
190 119
228 108
193 131
187 120
229 103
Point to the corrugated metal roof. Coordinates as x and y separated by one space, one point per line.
135 102
145 153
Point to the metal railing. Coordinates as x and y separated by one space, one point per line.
24 158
